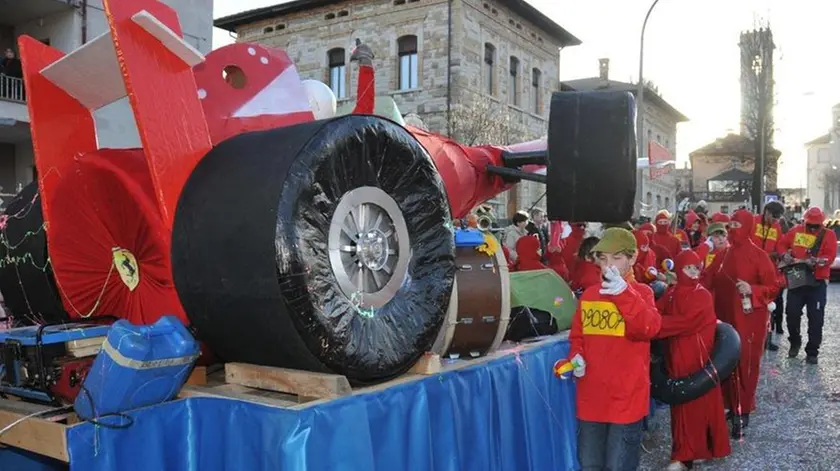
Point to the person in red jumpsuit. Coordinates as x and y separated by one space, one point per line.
610 351
693 229
743 281
767 235
530 259
570 249
645 269
664 237
720 217
587 273
816 247
698 427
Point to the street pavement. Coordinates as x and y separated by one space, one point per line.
797 422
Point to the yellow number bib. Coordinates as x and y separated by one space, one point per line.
601 318
803 239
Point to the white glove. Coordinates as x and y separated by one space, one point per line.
709 244
613 283
771 307
580 366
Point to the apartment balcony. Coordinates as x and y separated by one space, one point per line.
736 196
11 89
25 11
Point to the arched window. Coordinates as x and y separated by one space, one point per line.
659 202
649 198
407 52
668 203
338 72
536 91
513 82
489 69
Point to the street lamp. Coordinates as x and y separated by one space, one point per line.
640 98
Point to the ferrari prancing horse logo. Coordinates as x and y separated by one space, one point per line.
127 266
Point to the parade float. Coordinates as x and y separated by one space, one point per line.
314 255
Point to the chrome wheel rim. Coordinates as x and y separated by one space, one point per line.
368 246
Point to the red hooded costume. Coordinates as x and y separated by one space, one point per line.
645 261
694 237
799 242
698 427
720 217
743 260
586 274
570 249
767 236
664 237
528 254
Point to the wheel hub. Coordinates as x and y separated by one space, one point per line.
368 246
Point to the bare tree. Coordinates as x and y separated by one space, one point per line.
480 120
757 102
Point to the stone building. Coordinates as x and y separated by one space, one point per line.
437 59
656 189
722 172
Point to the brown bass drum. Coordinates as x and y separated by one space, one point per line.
479 309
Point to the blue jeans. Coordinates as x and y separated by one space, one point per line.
812 298
610 447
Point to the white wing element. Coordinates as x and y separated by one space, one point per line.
321 99
640 164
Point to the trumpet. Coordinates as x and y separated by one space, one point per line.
484 223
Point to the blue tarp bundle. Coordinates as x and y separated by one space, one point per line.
508 414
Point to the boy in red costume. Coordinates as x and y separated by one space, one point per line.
644 270
743 281
587 272
714 244
664 237
767 235
816 247
530 258
698 427
610 348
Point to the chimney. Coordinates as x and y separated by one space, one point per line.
605 69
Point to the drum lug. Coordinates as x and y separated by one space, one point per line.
475 354
487 266
454 356
489 319
465 320
465 267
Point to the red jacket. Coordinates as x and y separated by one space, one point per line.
798 241
586 274
528 254
558 264
767 237
612 334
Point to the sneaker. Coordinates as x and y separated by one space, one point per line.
737 431
769 345
794 351
811 360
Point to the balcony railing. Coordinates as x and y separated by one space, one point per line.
11 89
721 196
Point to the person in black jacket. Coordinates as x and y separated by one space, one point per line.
538 226
10 65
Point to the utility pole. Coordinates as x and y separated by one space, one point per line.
640 111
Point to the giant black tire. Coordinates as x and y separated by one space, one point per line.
724 359
257 271
26 277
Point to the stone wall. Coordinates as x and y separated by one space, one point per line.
307 37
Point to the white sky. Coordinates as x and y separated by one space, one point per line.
691 54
